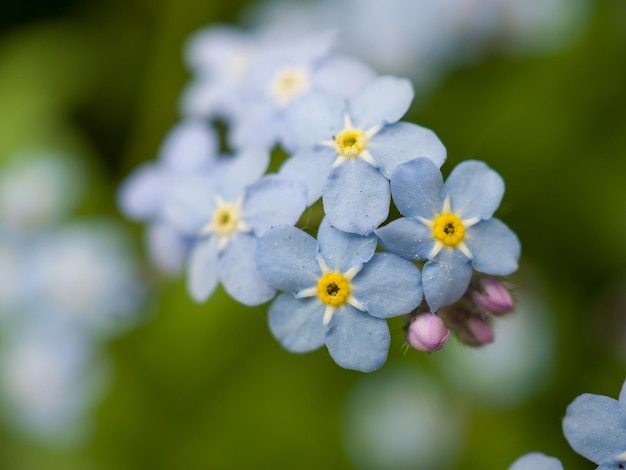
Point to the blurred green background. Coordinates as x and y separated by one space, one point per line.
206 386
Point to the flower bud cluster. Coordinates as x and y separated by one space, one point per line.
469 319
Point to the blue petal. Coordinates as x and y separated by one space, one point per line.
416 187
297 323
316 118
341 250
385 100
189 146
167 247
255 129
595 427
404 141
190 203
313 46
446 278
494 246
312 167
536 461
407 237
475 190
274 200
203 274
388 286
141 195
239 274
356 340
241 170
342 76
356 197
286 258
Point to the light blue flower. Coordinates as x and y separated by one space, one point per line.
50 379
190 147
84 276
349 149
536 461
450 225
283 79
338 292
595 427
227 211
221 58
37 190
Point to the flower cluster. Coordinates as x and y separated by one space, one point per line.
595 427
338 127
66 288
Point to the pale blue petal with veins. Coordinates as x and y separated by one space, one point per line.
450 225
336 287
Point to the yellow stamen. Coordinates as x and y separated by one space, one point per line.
226 219
448 229
350 142
333 289
290 83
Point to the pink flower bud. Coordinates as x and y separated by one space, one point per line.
427 332
480 332
494 297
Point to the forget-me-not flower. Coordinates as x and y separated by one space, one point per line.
84 276
220 58
190 147
450 225
338 292
227 210
595 427
50 380
282 79
350 147
38 190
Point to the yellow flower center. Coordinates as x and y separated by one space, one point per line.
448 229
333 289
350 142
226 219
288 84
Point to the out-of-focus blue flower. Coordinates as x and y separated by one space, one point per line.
50 381
250 80
450 225
190 147
37 191
63 289
221 58
399 418
283 79
536 461
595 427
228 210
84 276
349 149
338 292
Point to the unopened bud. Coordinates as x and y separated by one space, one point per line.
493 297
479 332
427 332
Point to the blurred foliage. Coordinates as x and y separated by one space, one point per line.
206 386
